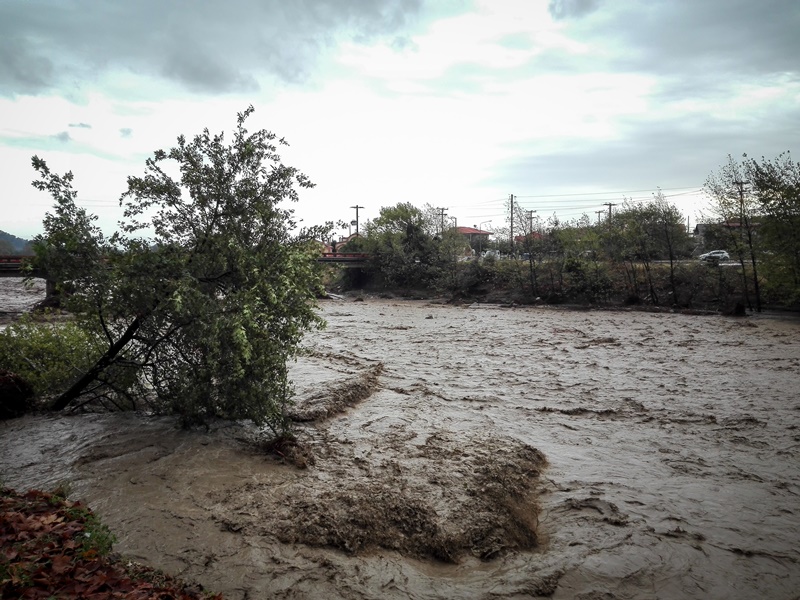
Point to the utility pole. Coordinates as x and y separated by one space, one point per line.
609 205
530 220
512 224
740 185
480 235
356 207
598 213
442 215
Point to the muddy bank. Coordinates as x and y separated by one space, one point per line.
671 444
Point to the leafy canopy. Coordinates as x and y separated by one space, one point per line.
203 294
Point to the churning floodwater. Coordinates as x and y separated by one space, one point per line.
491 452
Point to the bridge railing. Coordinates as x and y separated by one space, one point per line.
346 254
352 257
11 265
12 261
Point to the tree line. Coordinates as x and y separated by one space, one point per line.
642 253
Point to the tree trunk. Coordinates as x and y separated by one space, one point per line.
756 287
653 294
50 289
668 238
91 375
532 271
744 280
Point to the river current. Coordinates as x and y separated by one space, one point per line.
490 452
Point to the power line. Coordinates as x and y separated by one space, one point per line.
594 202
479 207
601 193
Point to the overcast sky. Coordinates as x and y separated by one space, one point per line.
565 103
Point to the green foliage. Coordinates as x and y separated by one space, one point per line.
203 295
641 233
736 206
403 252
97 539
475 276
73 247
756 217
647 232
642 253
47 354
356 244
776 184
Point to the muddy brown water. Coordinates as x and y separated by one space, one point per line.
497 453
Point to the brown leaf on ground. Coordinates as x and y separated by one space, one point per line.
51 547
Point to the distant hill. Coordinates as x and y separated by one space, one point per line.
16 244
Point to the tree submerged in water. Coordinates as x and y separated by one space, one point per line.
203 294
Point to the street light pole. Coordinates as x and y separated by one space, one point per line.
356 207
480 235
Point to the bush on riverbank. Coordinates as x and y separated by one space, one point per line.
46 352
585 281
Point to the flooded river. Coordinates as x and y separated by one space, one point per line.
489 452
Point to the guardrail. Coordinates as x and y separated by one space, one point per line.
344 257
11 265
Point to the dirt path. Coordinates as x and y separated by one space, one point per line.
671 448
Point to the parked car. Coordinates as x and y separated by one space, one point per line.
715 255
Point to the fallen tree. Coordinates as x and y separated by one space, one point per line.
203 294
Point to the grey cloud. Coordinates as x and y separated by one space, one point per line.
126 132
697 54
23 68
62 137
402 42
655 152
200 71
692 49
565 9
211 47
730 38
80 125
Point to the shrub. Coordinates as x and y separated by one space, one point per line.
47 355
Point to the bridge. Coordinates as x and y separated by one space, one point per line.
350 258
11 265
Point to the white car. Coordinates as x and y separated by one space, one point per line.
715 255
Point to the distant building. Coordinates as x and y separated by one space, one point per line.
532 236
473 234
343 241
